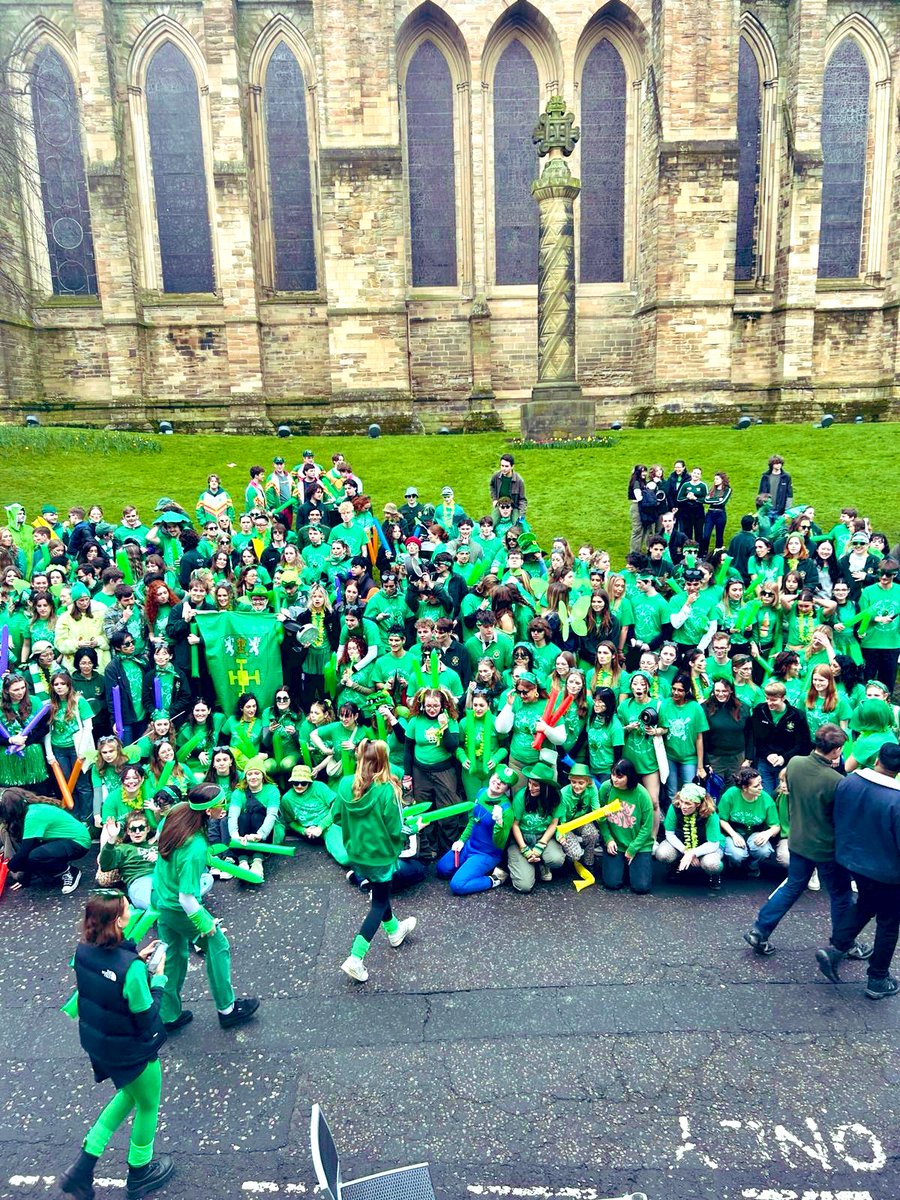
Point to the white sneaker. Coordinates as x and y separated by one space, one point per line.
70 881
398 937
355 968
545 873
257 868
499 876
813 885
244 863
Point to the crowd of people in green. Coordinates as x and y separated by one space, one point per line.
446 691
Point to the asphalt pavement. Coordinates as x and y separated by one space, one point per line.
558 1045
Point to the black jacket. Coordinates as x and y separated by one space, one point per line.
119 1042
114 676
787 737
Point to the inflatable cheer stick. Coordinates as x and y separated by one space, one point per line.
440 814
230 868
586 880
554 719
195 652
4 649
264 848
63 785
597 815
416 810
140 923
76 771
190 746
118 723
32 724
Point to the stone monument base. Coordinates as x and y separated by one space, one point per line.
557 410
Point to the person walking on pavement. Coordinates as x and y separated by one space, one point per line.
812 782
867 843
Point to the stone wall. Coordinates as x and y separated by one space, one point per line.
675 340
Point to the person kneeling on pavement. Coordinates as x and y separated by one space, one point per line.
537 810
472 864
749 820
693 836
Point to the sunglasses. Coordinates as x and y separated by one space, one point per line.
767 595
106 893
135 828
105 741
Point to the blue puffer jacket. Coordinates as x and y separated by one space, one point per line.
867 825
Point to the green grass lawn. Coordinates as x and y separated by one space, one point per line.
579 493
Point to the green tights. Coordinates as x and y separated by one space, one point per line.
142 1096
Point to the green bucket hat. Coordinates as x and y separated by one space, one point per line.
579 771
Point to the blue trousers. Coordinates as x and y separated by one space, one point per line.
835 877
679 775
473 873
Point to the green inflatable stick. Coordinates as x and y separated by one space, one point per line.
140 923
231 868
264 848
440 814
190 746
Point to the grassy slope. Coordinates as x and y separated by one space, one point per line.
580 493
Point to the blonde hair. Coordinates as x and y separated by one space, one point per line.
372 766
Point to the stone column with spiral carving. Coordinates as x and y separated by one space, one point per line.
557 404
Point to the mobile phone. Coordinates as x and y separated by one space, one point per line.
156 957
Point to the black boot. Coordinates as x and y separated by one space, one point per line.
78 1181
142 1180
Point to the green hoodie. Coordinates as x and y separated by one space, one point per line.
372 825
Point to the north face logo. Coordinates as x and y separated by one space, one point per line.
111 975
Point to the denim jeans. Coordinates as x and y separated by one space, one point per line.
679 775
757 852
769 776
640 871
835 877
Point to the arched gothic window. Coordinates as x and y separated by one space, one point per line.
604 98
290 189
67 218
516 101
179 174
749 125
429 96
845 134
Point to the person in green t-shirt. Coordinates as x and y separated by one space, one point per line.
537 810
522 715
881 640
254 813
749 819
627 835
368 808
693 838
823 704
50 841
306 808
685 723
177 880
431 739
70 738
579 797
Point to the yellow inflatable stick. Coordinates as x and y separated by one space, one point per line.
596 815
586 877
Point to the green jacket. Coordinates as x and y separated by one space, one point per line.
372 826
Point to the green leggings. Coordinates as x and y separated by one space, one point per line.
142 1096
177 932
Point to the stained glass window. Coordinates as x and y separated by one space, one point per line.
602 200
432 182
845 131
67 218
179 175
748 126
290 191
516 109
